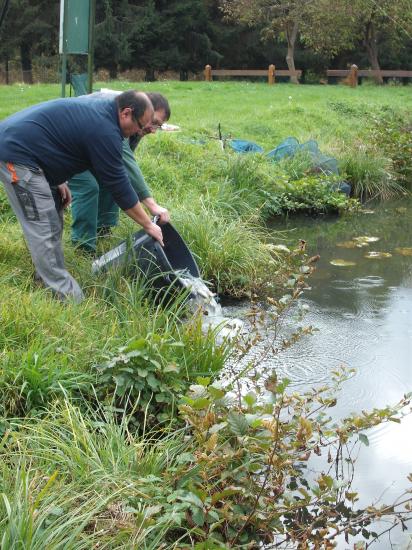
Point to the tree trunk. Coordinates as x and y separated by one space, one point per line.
25 55
150 75
6 67
113 72
291 35
371 45
183 75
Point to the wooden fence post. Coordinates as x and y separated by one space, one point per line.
208 73
271 74
353 76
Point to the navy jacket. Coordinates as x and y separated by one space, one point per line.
64 137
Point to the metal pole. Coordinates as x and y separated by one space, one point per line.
90 59
63 14
64 71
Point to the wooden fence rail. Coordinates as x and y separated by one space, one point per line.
270 73
353 74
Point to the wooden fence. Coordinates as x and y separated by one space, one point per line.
351 76
271 73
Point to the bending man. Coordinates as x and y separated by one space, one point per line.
45 145
94 212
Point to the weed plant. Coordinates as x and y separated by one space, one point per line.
370 175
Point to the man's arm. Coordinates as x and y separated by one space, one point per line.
140 186
138 214
109 169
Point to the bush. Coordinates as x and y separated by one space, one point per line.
369 175
148 376
393 136
309 194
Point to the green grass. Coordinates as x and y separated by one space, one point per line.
219 200
48 350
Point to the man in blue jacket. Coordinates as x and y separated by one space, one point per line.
45 145
94 212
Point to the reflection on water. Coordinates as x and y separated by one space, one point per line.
364 316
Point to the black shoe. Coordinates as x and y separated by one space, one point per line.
85 249
104 231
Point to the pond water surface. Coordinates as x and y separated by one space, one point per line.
363 314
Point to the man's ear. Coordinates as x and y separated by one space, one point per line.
125 113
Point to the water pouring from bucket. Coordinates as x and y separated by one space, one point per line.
171 268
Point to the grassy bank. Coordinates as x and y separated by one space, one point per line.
87 390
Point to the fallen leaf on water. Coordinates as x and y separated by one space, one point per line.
366 239
405 251
342 263
401 210
347 244
368 211
378 255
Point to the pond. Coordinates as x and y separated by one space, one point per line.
363 313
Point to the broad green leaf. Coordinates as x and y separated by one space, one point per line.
136 345
201 403
364 439
217 427
237 423
216 393
221 495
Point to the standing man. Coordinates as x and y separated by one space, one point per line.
45 145
94 212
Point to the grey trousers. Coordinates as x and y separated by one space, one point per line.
41 219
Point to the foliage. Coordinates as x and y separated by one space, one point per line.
149 374
309 194
369 175
246 479
393 135
34 511
277 19
30 28
5 207
32 381
354 21
232 255
112 46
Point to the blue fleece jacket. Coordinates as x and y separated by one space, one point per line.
64 137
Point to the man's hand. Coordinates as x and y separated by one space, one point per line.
65 194
138 214
155 232
156 210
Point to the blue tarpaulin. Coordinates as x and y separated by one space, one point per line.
244 146
288 148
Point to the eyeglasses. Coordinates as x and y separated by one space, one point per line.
136 120
140 125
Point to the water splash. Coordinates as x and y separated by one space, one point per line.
202 299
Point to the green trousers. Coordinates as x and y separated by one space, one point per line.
92 208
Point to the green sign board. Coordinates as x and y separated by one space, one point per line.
74 26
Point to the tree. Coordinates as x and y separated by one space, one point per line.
172 34
30 27
277 19
113 30
332 28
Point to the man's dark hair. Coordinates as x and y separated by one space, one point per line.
159 103
137 101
